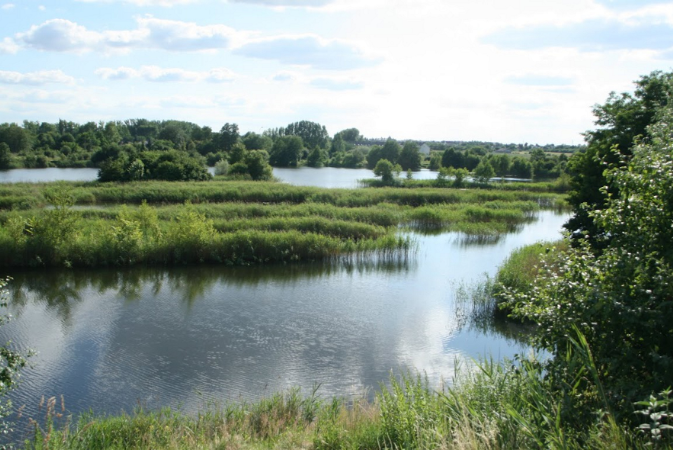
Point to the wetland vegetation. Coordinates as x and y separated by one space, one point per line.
600 301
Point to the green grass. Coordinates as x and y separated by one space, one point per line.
494 406
90 224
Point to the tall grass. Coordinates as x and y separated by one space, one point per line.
491 406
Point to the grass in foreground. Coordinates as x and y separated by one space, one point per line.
494 407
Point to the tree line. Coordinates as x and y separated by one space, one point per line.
138 149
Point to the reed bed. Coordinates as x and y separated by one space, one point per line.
159 192
161 223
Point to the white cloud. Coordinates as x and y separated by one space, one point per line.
8 6
308 50
35 78
8 46
61 35
159 74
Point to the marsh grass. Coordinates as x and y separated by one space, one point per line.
238 223
491 405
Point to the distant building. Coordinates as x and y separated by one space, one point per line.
425 150
502 150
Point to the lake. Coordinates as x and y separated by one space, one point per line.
328 177
110 340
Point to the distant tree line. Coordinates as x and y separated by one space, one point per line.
137 149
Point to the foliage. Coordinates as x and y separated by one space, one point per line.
387 171
619 299
484 171
11 363
410 157
286 151
621 121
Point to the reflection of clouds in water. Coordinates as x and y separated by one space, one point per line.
186 336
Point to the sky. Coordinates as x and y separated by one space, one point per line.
524 71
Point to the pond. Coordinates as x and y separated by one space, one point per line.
110 340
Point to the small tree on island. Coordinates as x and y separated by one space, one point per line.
387 171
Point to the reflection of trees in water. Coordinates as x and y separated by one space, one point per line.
62 289
56 290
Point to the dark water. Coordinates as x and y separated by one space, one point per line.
109 340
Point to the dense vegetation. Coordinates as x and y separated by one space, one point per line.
235 222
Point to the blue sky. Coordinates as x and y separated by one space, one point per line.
493 70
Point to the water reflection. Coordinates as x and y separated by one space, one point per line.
110 339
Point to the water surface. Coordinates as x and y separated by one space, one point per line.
109 340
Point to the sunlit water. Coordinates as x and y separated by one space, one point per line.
109 340
327 177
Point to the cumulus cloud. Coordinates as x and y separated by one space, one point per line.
336 85
159 74
539 80
8 6
590 35
308 51
61 35
35 78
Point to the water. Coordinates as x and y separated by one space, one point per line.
47 175
328 177
109 340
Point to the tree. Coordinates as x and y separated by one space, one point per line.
15 137
620 299
501 164
286 151
316 158
391 150
5 156
620 120
258 165
254 141
484 171
386 170
350 135
453 158
229 136
312 134
410 157
435 161
522 168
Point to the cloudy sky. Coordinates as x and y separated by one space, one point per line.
492 70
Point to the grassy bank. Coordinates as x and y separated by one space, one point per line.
495 407
90 224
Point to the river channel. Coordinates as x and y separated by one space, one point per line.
110 340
